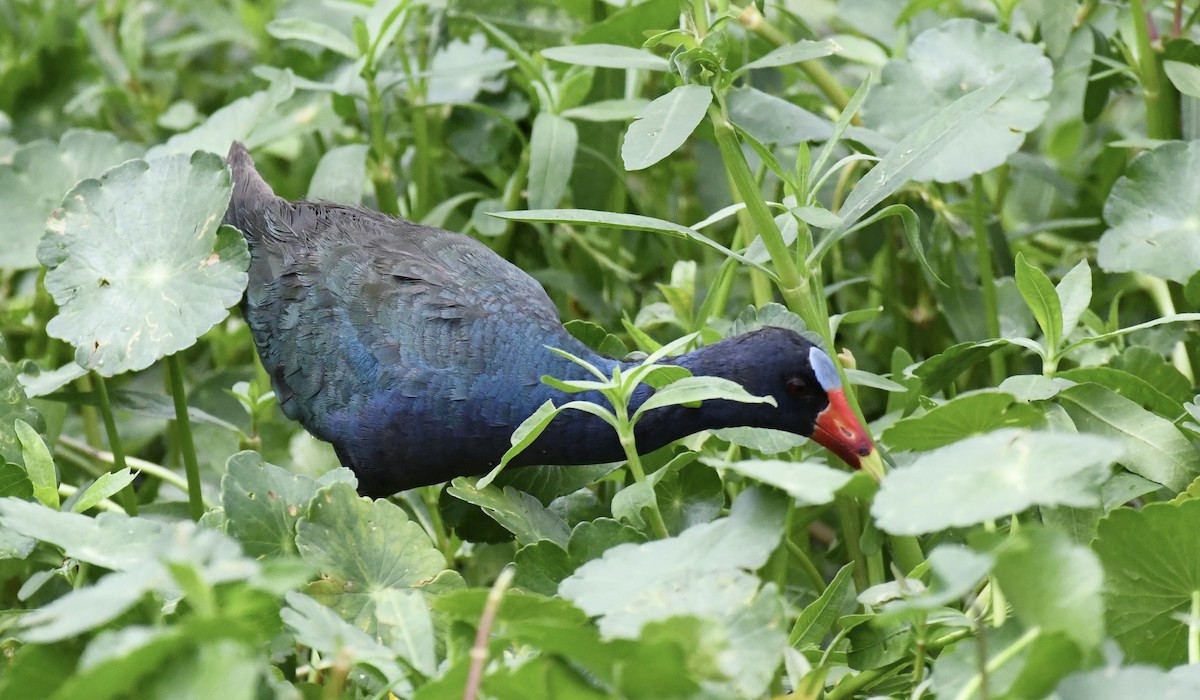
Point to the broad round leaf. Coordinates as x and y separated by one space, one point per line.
1153 213
41 172
993 475
1152 567
137 263
703 572
946 63
362 548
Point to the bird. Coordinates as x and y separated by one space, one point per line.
416 351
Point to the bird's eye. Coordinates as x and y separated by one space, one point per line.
796 388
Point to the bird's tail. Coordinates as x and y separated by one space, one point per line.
251 194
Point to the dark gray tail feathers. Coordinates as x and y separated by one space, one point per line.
250 193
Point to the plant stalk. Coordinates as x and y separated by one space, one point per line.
987 278
479 651
127 495
1008 654
1162 112
187 445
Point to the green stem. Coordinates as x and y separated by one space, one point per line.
906 552
806 564
1162 114
793 283
187 446
850 687
91 421
848 515
382 176
1008 654
422 160
987 279
1160 293
920 643
128 497
67 491
700 18
625 434
157 471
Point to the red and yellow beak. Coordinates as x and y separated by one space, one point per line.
839 431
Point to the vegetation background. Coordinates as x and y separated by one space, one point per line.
992 206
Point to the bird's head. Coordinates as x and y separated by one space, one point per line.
806 387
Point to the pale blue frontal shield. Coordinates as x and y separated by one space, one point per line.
823 367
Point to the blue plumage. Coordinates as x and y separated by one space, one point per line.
417 351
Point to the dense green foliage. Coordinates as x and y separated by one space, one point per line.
992 206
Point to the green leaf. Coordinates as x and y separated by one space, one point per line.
1152 572
817 619
1131 386
92 606
1053 584
110 540
38 464
551 158
263 503
939 67
518 512
1130 682
793 53
38 175
633 222
319 628
106 485
702 572
1043 301
362 548
695 389
461 70
1154 447
592 538
607 56
954 572
987 477
665 124
764 440
1185 77
773 120
1161 320
623 110
14 406
1152 217
340 176
134 280
14 481
689 495
810 483
959 418
541 566
547 483
313 32
254 120
1074 292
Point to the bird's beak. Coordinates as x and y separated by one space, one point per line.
839 431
